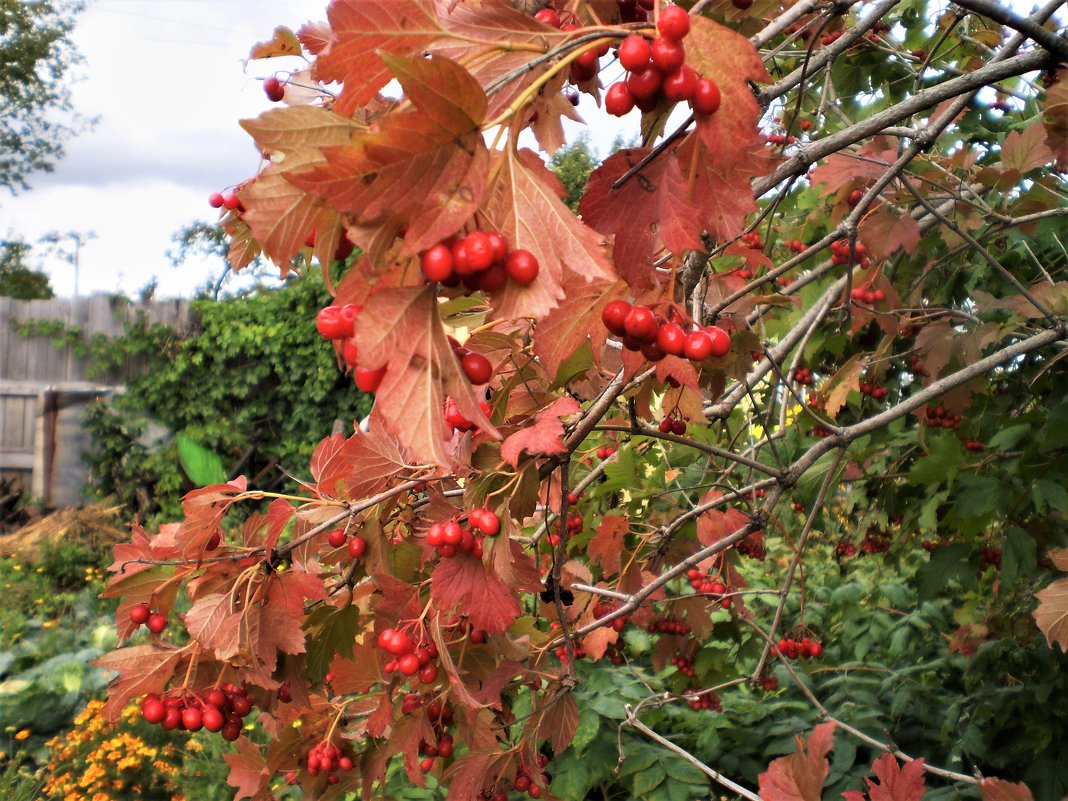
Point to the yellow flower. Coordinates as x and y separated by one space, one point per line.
23 735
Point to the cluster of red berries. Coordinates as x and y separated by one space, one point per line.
481 260
753 241
659 70
274 88
868 296
443 748
603 609
672 424
706 584
586 64
798 506
339 538
531 781
874 391
455 419
876 540
805 648
841 254
325 758
803 375
797 246
220 709
990 555
821 431
844 549
451 538
702 699
768 682
684 664
916 366
407 657
229 201
338 323
605 451
753 546
972 444
941 417
669 625
142 615
639 330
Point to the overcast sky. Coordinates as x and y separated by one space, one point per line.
166 79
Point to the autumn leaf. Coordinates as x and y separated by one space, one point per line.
896 783
204 510
886 231
360 34
577 319
248 770
467 775
283 43
1052 613
840 170
800 776
525 206
559 720
464 583
142 669
1001 790
1055 120
357 467
606 547
846 380
215 623
402 331
715 524
543 436
1025 150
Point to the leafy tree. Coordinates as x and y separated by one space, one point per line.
18 280
36 60
767 439
573 165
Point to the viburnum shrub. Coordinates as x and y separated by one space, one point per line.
604 444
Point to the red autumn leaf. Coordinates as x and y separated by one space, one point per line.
896 783
425 168
401 330
356 467
140 547
1051 616
885 231
467 775
800 776
715 524
142 669
1055 120
279 514
360 33
215 623
651 210
543 437
577 319
248 771
204 510
1025 150
728 58
1001 790
525 206
559 721
606 547
869 162
465 584
358 674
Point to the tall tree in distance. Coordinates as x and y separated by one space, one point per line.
36 58
17 280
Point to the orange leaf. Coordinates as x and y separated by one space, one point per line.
401 330
463 583
1001 790
1025 150
1052 613
283 43
543 436
356 467
885 231
800 776
142 669
577 319
248 771
1055 119
606 547
896 783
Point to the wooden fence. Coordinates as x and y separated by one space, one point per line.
44 389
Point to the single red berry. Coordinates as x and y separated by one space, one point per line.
349 353
231 202
494 279
156 622
274 88
854 197
489 524
140 614
428 674
698 346
329 324
667 54
587 61
548 16
191 719
634 53
427 763
665 426
721 340
477 368
522 266
357 546
212 718
674 22
452 533
216 697
478 249
408 664
500 245
369 380
680 84
153 710
652 352
706 97
337 537
215 200
617 100
613 316
172 719
671 339
437 263
640 324
645 84
678 427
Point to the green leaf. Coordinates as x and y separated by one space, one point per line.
647 780
330 631
203 466
947 564
1019 555
940 466
1049 495
588 726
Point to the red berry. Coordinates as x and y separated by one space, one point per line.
640 324
153 710
215 200
671 339
274 89
644 84
426 763
634 53
489 524
191 719
329 324
478 251
617 100
500 245
667 54
408 664
172 719
212 718
522 266
477 368
437 263
428 674
494 279
674 22
337 537
548 16
369 380
349 354
156 622
613 316
854 197
231 202
698 346
681 84
357 546
140 614
721 340
706 97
